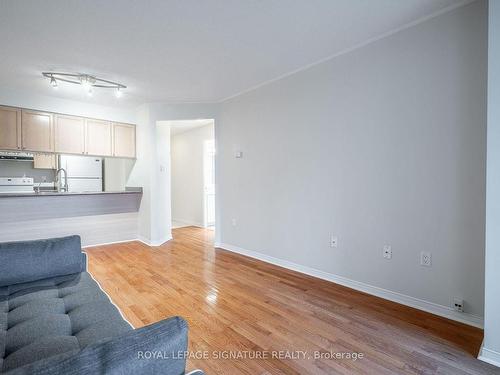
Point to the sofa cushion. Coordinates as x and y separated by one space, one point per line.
26 261
55 317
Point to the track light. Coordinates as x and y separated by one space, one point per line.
86 84
87 81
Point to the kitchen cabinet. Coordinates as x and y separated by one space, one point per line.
123 140
69 134
99 138
37 131
44 132
45 161
10 128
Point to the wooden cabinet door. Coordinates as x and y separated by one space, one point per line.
99 138
69 134
10 128
45 161
37 131
123 140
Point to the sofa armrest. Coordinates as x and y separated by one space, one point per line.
155 349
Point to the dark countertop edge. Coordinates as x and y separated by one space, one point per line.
55 194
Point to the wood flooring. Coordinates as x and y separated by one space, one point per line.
275 321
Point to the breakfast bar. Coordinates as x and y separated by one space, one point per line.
52 204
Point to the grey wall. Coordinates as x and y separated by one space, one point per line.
491 348
384 145
116 173
10 168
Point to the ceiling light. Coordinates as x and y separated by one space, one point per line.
87 81
86 85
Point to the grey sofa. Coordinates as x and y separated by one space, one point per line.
55 319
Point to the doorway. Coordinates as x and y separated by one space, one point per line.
192 155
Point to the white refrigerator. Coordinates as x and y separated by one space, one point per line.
84 172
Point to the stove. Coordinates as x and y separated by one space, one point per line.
16 185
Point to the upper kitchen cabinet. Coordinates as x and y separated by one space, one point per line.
10 128
99 138
45 161
44 132
123 140
69 134
37 131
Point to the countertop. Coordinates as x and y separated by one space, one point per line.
56 193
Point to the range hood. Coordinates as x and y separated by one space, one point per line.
19 156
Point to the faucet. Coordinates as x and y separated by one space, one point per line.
65 187
38 188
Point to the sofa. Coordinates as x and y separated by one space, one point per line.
55 319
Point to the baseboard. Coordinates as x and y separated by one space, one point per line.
430 307
110 243
139 238
189 223
160 242
489 356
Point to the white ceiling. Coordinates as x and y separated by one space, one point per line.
185 50
182 126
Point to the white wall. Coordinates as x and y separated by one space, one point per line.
383 145
491 345
186 151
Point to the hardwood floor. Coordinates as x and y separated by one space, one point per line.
233 303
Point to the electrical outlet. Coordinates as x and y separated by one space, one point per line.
233 222
425 259
334 241
458 304
387 251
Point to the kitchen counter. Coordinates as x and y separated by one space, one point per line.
47 193
16 207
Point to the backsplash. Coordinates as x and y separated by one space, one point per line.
12 168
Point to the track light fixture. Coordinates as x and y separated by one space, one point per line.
87 81
53 82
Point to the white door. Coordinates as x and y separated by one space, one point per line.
209 181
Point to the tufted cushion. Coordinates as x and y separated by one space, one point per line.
54 317
26 261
